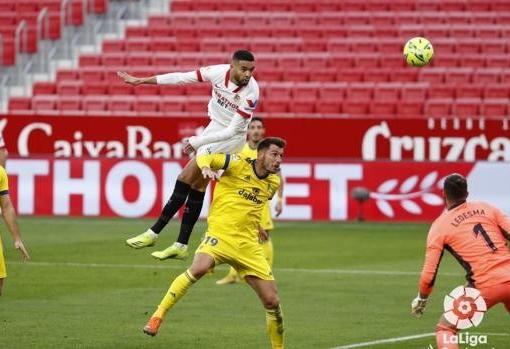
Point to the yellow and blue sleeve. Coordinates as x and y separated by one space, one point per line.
214 161
4 182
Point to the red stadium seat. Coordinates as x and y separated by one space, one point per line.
279 91
172 105
44 88
433 75
307 92
146 90
275 106
333 91
120 89
69 88
494 108
360 91
302 106
466 107
69 103
438 107
94 103
197 104
387 92
94 88
120 103
469 91
487 76
382 107
44 103
497 92
355 107
413 92
441 91
410 108
145 104
328 107
19 103
459 76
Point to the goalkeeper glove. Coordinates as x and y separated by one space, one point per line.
418 306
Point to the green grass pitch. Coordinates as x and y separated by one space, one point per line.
339 283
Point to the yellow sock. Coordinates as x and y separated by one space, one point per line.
177 289
232 273
267 246
274 323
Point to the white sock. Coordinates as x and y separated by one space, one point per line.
152 234
181 246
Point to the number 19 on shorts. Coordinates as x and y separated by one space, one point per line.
209 240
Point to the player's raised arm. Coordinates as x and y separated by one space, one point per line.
192 77
133 80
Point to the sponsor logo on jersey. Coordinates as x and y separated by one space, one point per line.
250 196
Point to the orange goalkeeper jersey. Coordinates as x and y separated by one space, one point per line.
475 233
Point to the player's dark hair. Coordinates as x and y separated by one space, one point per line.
267 142
455 188
257 118
243 55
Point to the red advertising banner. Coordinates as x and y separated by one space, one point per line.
340 138
314 190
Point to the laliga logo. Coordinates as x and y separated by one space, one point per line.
464 307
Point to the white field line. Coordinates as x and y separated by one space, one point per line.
386 341
170 265
409 338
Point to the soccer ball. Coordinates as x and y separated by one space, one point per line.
418 52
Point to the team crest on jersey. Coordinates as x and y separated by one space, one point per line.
237 98
256 191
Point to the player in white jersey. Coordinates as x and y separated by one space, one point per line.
235 94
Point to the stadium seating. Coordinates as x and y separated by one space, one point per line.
13 12
314 58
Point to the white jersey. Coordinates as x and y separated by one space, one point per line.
231 106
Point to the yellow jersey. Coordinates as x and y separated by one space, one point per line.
4 190
248 153
266 221
4 182
239 197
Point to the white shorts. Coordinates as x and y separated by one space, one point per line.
230 146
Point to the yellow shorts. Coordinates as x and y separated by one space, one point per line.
3 270
245 256
266 221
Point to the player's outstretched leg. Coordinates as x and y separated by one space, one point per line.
194 203
268 294
177 199
178 288
231 278
445 334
